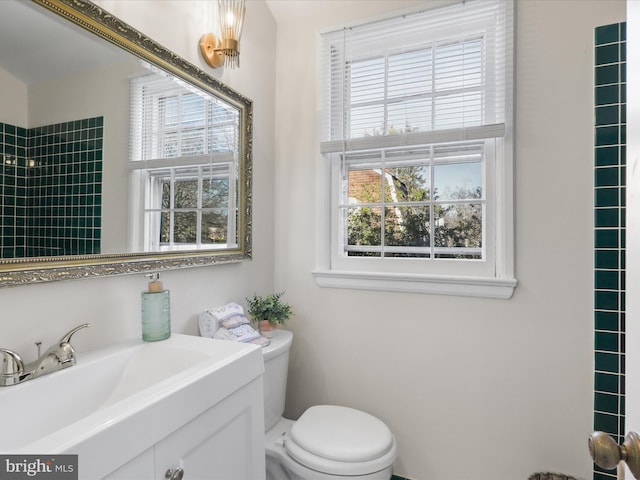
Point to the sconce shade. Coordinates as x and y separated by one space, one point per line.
225 51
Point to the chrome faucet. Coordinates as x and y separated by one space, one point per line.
60 355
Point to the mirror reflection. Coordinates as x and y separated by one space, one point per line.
104 153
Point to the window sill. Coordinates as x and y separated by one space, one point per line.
430 284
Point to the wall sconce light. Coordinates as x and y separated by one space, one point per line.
224 51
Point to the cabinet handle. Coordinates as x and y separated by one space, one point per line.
174 474
607 454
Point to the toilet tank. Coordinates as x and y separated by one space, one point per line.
276 365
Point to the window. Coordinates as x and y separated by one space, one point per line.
184 159
417 152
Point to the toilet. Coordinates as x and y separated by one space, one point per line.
327 442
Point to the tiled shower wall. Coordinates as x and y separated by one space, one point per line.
609 237
51 189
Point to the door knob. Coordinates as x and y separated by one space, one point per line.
174 474
606 453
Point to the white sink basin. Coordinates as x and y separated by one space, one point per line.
132 394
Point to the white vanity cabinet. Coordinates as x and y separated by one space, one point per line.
223 443
135 410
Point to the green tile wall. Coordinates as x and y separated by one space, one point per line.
51 189
609 233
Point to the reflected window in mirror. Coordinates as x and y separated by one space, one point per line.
184 161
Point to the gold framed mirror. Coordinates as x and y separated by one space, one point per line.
90 190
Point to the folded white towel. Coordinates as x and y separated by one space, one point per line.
241 333
234 321
208 324
226 311
229 323
228 315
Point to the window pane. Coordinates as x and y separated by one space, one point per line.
458 225
458 180
165 225
458 65
193 110
169 107
367 81
410 73
170 143
363 229
166 194
214 227
186 194
408 184
193 141
215 193
364 185
223 138
367 121
407 226
185 227
410 116
458 110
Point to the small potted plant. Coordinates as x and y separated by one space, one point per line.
269 312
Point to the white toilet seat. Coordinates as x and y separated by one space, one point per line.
341 441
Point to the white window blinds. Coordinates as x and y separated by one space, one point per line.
427 77
170 119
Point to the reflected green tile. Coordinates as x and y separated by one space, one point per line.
607 74
605 300
605 423
607 342
607 238
606 279
606 382
609 135
607 34
607 95
607 54
607 362
607 259
607 217
607 197
608 115
607 176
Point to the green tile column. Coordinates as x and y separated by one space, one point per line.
609 233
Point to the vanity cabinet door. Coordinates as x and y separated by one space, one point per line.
226 442
138 468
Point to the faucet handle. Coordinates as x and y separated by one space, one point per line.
11 363
67 337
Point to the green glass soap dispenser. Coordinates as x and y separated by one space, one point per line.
156 311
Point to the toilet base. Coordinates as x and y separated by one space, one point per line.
280 466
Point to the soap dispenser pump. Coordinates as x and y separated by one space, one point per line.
156 311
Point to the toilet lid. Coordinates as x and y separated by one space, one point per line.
342 434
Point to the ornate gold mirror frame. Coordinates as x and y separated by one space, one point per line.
44 269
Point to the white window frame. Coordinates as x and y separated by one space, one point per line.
492 277
148 170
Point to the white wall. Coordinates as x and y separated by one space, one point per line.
473 389
13 100
632 356
46 311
